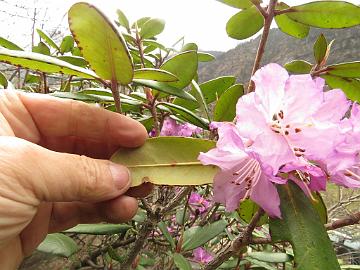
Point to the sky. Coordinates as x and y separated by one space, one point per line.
199 21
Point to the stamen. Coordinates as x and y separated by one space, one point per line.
281 114
286 132
297 130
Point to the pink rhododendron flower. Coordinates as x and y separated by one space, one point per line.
288 117
172 128
202 256
242 176
198 202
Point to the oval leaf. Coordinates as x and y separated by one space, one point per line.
247 209
167 161
122 19
184 66
350 69
301 226
181 262
9 45
238 3
74 60
47 39
351 87
43 63
289 26
326 14
3 80
320 48
99 229
205 57
67 44
298 67
225 108
152 27
245 24
58 244
101 44
271 257
200 99
155 75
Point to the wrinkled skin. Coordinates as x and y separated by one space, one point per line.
54 172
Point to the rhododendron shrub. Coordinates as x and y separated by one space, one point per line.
238 168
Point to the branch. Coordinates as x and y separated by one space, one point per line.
177 200
259 8
348 220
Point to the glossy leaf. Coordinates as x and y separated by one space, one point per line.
289 26
181 262
271 257
187 115
67 44
74 60
298 67
167 161
43 63
320 48
225 108
205 57
47 39
140 22
9 45
320 207
197 93
3 80
58 244
101 44
165 232
99 229
326 14
301 226
150 42
41 48
211 90
155 75
245 24
238 3
350 69
189 47
247 209
198 236
164 87
350 86
152 27
184 66
122 19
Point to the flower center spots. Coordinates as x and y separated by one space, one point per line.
280 128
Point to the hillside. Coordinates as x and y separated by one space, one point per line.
281 49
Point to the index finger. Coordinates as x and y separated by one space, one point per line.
55 117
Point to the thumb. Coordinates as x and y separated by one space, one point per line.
56 177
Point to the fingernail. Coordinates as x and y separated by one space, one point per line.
121 176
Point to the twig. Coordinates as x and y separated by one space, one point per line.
348 220
116 95
259 8
260 52
178 198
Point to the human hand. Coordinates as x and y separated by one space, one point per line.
51 175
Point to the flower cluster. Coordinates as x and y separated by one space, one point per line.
172 128
288 129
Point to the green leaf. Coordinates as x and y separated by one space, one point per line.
271 257
326 14
259 265
181 262
67 44
150 42
245 24
99 229
351 87
58 244
140 22
186 115
155 75
165 232
349 69
122 19
298 67
43 63
198 236
200 99
238 3
151 28
168 161
164 87
205 57
9 45
41 48
183 66
289 26
47 39
74 60
147 122
101 44
247 209
114 255
181 216
76 96
301 226
189 47
320 48
3 80
211 90
225 108
320 207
